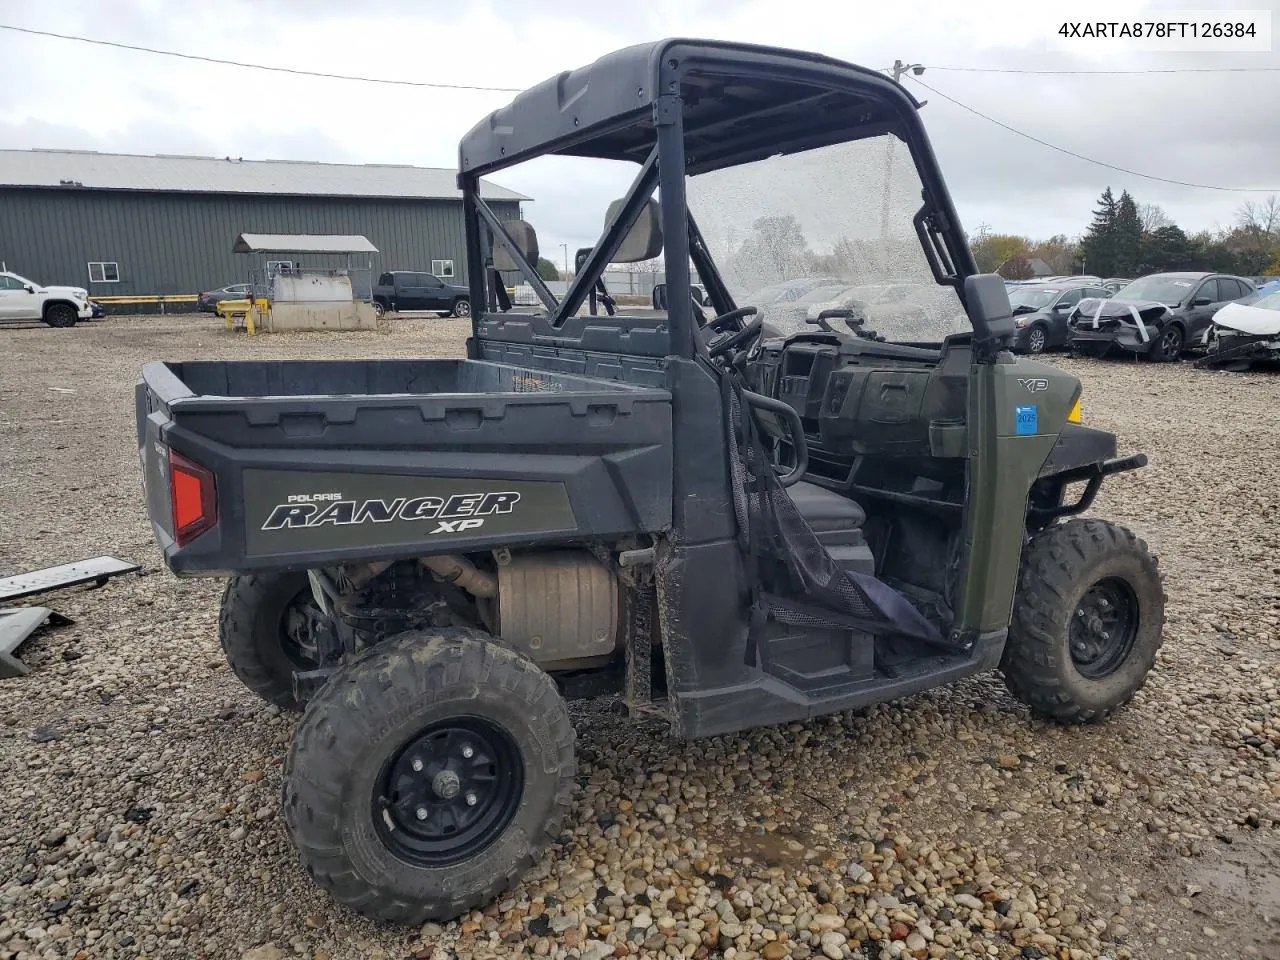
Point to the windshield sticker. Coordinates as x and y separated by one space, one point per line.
1182 283
1026 420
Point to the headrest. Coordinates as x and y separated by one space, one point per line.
526 239
644 240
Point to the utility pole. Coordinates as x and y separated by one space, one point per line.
898 69
565 248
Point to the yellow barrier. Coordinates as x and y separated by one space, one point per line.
233 311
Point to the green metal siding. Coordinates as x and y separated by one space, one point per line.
181 243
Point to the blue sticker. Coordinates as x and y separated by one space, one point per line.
1026 420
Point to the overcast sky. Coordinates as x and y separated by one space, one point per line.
1206 128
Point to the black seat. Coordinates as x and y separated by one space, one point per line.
825 510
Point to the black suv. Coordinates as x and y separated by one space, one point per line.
1041 309
1155 316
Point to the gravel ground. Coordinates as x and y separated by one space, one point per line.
138 815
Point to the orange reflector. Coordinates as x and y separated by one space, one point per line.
1074 415
194 498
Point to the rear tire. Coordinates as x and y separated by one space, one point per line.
60 315
262 629
1087 621
462 309
476 721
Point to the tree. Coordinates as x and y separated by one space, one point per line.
776 250
1126 237
1097 249
547 270
1016 268
1167 248
990 250
1058 252
1258 231
1152 217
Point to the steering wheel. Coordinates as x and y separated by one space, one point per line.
746 331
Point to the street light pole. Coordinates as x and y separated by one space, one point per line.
565 247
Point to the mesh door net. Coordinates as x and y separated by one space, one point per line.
793 579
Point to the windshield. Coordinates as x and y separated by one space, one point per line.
842 212
1268 303
1167 290
1037 298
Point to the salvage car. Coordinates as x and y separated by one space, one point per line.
1041 309
1156 316
208 301
1244 334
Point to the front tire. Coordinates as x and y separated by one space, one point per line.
1168 348
264 626
379 310
1087 621
462 309
60 315
1037 340
427 776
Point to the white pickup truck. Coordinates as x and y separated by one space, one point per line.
23 299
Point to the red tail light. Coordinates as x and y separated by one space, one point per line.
194 497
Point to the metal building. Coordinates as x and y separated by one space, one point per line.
125 225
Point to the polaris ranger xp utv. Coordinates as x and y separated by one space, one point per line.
726 514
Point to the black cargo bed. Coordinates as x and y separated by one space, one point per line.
385 431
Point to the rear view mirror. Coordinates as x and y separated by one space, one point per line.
987 302
1201 302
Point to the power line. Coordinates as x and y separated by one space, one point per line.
1080 156
1110 73
251 66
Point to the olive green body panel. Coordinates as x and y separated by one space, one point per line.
1017 409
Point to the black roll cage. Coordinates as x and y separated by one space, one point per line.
796 101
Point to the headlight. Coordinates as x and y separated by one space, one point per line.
1019 322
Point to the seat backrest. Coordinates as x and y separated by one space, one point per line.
644 240
522 232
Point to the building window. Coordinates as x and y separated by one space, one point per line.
275 267
104 272
442 268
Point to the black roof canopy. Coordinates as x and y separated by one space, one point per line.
741 102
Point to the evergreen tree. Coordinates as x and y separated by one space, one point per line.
1098 248
1126 237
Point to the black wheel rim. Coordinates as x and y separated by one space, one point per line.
1171 342
298 625
1035 340
1104 628
449 792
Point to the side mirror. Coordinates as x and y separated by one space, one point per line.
987 303
1201 302
29 288
1059 307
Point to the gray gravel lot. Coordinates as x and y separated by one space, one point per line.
138 809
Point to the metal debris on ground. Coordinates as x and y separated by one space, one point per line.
16 624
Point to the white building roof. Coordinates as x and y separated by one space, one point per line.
301 243
87 169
